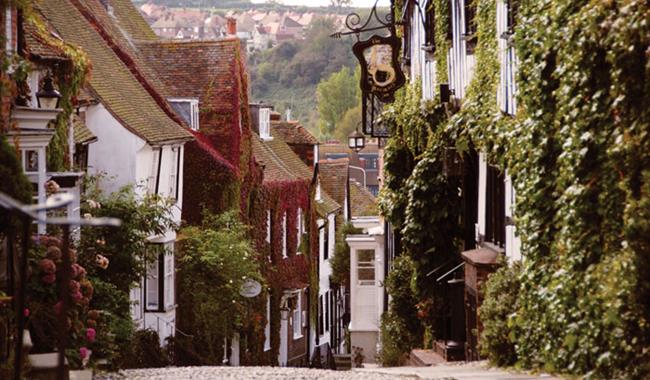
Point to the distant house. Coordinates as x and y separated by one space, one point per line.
261 38
215 26
364 165
288 29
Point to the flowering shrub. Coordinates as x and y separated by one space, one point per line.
44 304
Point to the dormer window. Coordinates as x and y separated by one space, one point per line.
265 123
188 110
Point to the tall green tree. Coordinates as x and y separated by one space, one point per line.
336 94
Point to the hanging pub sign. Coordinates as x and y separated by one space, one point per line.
381 74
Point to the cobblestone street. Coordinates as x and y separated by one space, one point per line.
464 371
245 373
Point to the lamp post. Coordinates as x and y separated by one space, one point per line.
48 97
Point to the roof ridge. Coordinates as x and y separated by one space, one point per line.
129 62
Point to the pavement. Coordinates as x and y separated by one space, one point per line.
463 371
455 371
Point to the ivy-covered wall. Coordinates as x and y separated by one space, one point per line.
578 154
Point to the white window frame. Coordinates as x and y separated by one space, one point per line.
265 123
366 265
267 328
152 287
268 226
299 230
162 266
194 110
153 174
174 173
284 235
168 281
297 317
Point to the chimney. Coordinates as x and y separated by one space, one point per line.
231 26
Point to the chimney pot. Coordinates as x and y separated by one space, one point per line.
232 26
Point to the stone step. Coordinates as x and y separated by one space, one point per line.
343 362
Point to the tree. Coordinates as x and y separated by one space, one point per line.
348 123
336 94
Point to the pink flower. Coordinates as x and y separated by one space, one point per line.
58 307
78 271
49 279
83 352
53 253
47 266
90 334
75 286
26 312
77 296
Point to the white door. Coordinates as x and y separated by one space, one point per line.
284 346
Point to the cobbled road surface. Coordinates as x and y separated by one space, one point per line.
244 373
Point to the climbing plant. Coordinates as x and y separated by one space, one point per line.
577 151
582 173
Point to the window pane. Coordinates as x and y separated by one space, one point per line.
169 278
152 286
366 255
366 274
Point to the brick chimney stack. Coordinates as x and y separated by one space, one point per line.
231 26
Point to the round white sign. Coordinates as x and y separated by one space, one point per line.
250 288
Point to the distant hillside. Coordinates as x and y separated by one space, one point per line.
287 75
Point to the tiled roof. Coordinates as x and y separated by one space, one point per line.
274 170
113 82
362 202
37 47
197 69
122 37
292 133
326 205
282 164
334 178
131 20
212 72
82 135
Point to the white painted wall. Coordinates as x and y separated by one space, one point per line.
127 159
114 153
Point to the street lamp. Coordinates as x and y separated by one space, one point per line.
48 97
356 140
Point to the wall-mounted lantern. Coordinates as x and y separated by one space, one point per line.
48 97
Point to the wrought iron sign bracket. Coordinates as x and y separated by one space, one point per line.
354 25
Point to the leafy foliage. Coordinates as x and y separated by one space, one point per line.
581 173
400 327
215 260
497 342
116 259
146 352
578 157
14 182
335 97
341 261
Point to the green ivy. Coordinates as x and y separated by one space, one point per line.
578 153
